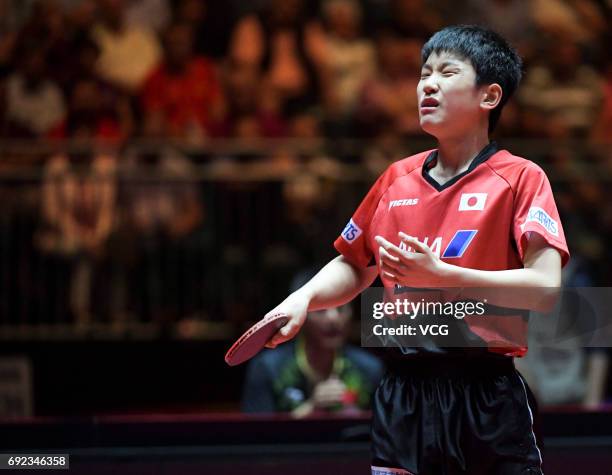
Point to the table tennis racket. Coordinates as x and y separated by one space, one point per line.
255 338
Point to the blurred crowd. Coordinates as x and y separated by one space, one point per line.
100 231
198 69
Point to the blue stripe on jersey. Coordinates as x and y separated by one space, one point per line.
459 243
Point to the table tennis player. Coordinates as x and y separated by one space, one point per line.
466 214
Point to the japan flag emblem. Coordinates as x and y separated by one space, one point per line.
472 201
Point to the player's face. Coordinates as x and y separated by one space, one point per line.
449 101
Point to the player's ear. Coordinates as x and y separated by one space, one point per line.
491 96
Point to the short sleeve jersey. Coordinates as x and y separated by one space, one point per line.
480 219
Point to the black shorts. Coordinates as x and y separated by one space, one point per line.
451 416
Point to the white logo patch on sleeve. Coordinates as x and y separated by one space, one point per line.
351 232
472 201
538 215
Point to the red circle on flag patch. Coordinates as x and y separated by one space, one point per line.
472 201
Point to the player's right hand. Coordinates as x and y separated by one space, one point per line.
296 307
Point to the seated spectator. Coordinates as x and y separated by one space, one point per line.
316 373
582 20
94 105
389 99
308 211
248 100
411 19
350 57
562 371
84 55
562 96
150 14
288 48
164 238
212 23
128 53
182 96
602 128
47 25
78 209
78 204
382 150
8 40
168 204
89 116
513 19
33 103
81 15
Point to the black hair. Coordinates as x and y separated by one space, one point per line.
493 58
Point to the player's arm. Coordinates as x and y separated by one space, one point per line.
542 270
335 284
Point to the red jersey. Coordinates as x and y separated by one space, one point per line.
185 99
479 219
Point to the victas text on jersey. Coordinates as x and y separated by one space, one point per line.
406 202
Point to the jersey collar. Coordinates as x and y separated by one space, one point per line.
486 153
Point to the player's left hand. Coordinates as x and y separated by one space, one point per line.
418 267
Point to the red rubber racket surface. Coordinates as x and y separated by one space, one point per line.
254 339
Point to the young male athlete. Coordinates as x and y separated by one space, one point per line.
468 215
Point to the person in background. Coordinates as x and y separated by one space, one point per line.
127 53
350 60
34 104
601 131
411 19
386 103
165 237
78 217
212 23
86 117
317 373
151 14
288 48
582 20
562 96
567 373
513 19
182 96
95 108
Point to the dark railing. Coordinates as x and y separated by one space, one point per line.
194 241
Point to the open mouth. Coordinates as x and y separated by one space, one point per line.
429 104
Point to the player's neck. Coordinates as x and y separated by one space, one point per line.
456 153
